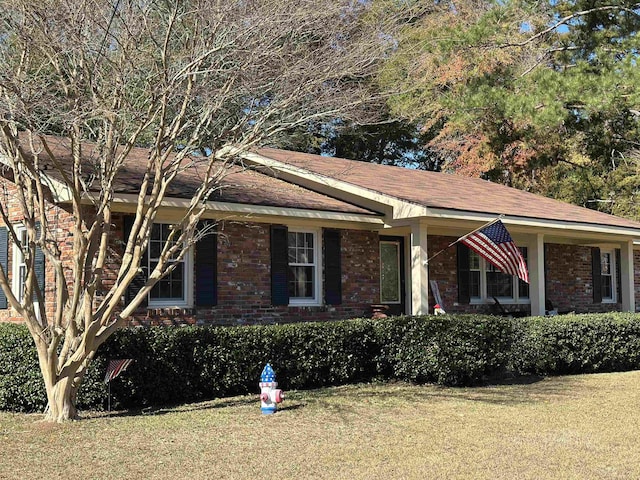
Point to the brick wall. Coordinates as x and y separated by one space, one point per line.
569 279
60 225
244 282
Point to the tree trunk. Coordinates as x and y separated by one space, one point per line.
61 398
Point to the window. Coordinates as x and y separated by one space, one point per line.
607 275
174 288
390 281
486 281
303 253
19 268
19 265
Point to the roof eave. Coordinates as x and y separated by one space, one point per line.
527 223
127 202
399 209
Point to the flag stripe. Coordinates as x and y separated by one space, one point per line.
116 367
494 244
499 255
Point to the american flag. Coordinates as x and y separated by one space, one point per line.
494 243
116 367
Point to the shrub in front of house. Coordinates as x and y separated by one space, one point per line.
178 365
448 349
21 385
571 344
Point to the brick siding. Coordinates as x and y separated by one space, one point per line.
569 279
244 282
61 224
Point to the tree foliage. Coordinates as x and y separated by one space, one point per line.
388 141
529 93
183 79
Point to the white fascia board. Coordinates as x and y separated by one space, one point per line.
393 207
257 211
558 226
61 193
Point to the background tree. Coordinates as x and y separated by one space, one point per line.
540 95
387 141
183 79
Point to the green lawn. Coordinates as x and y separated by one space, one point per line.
582 427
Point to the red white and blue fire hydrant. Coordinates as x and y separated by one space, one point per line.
270 394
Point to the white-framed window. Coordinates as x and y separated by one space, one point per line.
19 267
304 266
608 275
487 282
174 289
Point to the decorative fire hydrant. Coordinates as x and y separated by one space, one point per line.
270 395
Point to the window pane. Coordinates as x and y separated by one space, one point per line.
474 260
606 263
607 290
301 282
176 289
154 249
499 284
474 284
155 231
389 273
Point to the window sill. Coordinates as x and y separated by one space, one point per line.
304 304
168 306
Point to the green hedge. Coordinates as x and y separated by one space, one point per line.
571 344
177 365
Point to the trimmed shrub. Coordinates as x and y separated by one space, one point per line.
21 385
449 350
572 344
177 365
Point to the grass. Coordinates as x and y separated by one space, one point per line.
565 427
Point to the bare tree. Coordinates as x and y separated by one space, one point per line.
185 79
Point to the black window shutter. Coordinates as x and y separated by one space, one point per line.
618 275
464 276
141 278
596 272
4 256
206 265
279 265
38 264
332 267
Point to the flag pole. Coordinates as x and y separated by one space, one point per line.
463 237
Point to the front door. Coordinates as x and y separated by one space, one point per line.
392 283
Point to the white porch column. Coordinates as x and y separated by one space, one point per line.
536 276
419 271
626 275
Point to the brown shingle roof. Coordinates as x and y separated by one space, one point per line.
237 186
447 191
